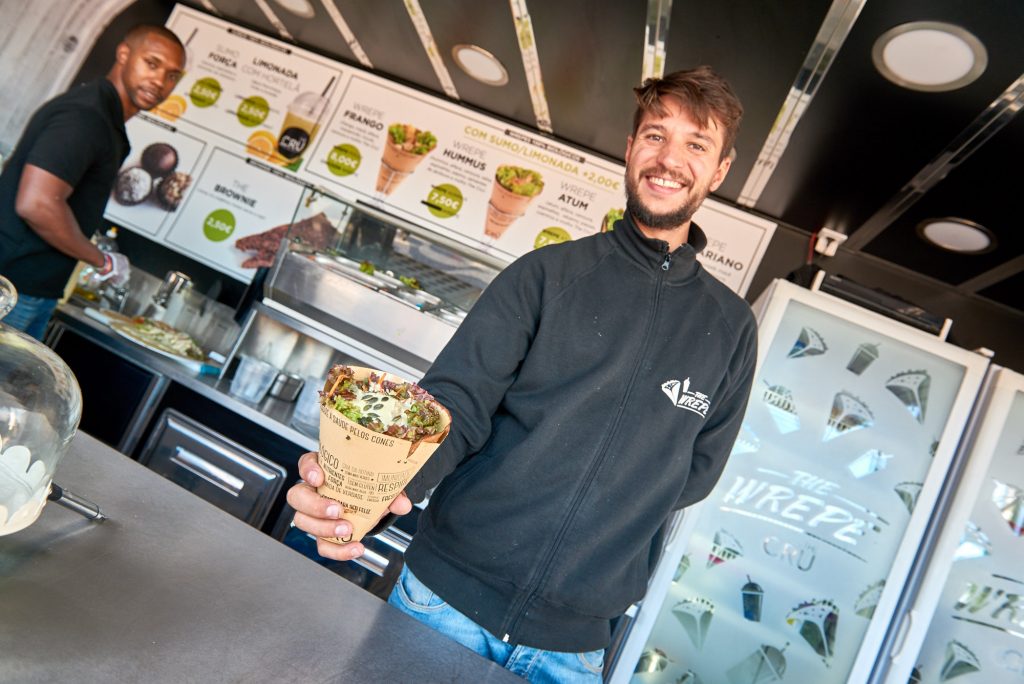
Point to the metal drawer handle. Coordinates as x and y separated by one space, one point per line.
200 467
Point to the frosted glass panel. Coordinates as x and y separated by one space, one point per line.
794 546
977 632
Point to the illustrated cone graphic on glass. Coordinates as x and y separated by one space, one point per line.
911 388
376 432
817 621
960 660
781 407
725 547
868 600
1010 502
404 148
512 191
848 414
651 660
695 616
766 664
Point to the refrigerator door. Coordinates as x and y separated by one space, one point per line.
797 557
968 617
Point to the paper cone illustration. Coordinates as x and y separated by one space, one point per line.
960 660
766 664
848 414
747 442
651 660
862 358
808 343
376 432
869 462
973 544
513 190
908 492
684 565
915 676
1010 502
817 621
911 388
779 401
404 148
868 599
752 595
725 547
695 616
689 677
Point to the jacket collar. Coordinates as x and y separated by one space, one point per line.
650 253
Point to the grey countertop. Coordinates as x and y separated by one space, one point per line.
171 589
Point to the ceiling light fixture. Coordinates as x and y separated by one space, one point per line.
957 235
480 64
300 8
930 56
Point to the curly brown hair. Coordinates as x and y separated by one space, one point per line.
703 93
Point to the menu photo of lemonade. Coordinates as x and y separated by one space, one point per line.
301 125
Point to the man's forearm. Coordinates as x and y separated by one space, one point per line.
54 222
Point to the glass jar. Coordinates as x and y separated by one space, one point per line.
40 406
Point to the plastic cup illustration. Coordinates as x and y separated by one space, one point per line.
808 343
959 660
766 664
868 599
404 148
848 415
752 594
513 190
973 544
725 547
781 408
376 432
695 616
302 123
1010 502
862 358
908 492
911 388
651 660
869 462
817 621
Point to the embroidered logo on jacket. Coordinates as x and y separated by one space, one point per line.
682 397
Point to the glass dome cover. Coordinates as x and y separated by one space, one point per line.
40 406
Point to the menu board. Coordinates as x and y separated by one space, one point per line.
304 119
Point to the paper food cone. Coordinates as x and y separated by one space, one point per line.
396 165
363 470
503 209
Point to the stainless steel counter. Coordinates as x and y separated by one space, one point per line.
171 589
278 412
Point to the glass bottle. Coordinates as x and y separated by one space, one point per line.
40 406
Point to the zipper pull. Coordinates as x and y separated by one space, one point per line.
667 262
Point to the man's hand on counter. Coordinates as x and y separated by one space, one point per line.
321 516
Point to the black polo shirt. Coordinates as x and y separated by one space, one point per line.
80 138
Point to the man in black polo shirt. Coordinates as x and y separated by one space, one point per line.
56 183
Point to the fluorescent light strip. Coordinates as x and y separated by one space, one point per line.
210 8
655 37
831 36
427 38
346 33
531 64
1000 112
274 20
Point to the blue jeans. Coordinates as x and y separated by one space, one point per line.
414 598
31 314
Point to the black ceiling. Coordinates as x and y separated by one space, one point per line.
859 142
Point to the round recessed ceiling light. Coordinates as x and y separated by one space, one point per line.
480 64
930 56
300 8
957 235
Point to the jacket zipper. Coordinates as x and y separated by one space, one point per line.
518 607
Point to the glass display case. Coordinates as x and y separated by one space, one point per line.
967 620
792 567
348 282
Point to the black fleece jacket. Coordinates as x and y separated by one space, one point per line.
596 386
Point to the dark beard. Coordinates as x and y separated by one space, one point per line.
644 216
